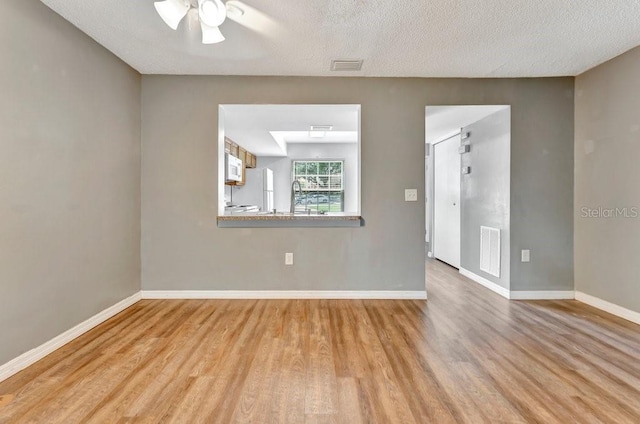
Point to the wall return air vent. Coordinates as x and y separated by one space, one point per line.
346 65
490 250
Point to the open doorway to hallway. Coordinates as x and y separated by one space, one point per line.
467 180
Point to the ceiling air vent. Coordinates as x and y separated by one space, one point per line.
346 65
321 127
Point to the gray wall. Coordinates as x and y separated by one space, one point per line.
542 192
69 177
183 249
607 148
485 192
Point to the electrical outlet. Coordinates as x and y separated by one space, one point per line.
411 195
288 258
526 255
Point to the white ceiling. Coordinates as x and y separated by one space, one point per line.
265 130
397 38
446 121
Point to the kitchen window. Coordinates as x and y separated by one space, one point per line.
321 183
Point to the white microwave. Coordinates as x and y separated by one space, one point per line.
233 168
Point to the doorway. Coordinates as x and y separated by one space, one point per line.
467 186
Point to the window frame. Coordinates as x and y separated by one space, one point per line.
329 190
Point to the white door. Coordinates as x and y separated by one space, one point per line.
446 202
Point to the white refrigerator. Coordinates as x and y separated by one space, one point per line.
267 190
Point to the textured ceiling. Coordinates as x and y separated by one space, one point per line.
256 127
396 38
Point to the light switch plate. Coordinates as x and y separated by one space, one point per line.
288 258
411 195
526 255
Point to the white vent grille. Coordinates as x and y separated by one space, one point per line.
346 65
490 250
321 127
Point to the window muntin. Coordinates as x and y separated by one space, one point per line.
322 184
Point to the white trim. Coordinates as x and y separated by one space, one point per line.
543 295
282 294
486 283
34 355
519 295
609 307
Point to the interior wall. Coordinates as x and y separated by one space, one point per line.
184 249
542 194
69 177
607 193
485 192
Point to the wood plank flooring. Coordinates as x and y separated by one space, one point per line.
464 356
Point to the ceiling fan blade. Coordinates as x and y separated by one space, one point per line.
211 35
255 20
172 11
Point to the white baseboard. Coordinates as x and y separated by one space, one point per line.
612 308
281 294
543 295
486 283
28 358
517 294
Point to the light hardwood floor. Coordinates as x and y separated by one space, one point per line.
465 355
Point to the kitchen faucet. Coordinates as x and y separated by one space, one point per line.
295 183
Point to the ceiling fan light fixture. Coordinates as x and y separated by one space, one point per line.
212 12
172 11
210 35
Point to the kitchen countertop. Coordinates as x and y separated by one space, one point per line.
281 219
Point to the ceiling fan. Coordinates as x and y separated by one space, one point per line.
211 13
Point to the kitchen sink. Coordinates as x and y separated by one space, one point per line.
296 213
